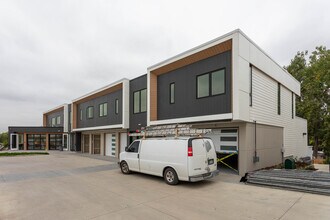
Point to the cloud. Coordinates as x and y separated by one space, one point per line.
54 51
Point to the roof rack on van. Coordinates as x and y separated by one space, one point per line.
175 130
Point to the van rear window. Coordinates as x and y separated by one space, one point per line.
208 145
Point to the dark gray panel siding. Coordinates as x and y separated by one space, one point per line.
40 130
140 118
186 104
69 117
110 119
54 115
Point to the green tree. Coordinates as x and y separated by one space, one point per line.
313 72
4 138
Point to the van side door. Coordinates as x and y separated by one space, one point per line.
132 156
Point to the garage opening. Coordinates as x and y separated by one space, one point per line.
226 145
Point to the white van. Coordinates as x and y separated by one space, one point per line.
183 158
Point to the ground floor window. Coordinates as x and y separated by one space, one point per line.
55 141
36 141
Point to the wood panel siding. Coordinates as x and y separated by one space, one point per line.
201 55
153 97
74 115
44 120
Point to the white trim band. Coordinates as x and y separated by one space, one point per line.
99 127
194 119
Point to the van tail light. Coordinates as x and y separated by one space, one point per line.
190 151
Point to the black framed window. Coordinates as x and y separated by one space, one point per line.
103 109
250 85
211 84
278 98
58 120
292 104
90 112
172 93
140 101
116 106
53 122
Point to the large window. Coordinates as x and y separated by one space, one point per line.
116 106
103 109
211 84
90 112
172 93
140 101
53 122
58 120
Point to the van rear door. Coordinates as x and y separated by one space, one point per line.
202 158
211 155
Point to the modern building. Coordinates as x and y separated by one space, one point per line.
53 135
100 120
228 86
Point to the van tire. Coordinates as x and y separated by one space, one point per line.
170 176
124 168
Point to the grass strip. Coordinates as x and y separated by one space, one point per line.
13 154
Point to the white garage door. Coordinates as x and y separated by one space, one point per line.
110 149
225 140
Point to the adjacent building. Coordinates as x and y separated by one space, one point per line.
229 86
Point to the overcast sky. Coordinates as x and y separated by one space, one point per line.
53 51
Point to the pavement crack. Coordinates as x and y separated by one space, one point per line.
290 207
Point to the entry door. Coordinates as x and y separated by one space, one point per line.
97 144
86 143
13 142
110 149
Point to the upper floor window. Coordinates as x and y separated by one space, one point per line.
278 98
211 84
116 106
172 93
140 101
53 122
103 109
90 112
58 120
81 114
292 104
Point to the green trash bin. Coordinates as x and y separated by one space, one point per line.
289 164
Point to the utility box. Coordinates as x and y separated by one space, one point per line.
289 164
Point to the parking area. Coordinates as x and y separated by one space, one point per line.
66 185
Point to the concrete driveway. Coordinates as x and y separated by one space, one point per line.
65 185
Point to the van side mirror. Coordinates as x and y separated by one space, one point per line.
126 148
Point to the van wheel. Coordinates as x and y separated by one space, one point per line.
171 177
124 167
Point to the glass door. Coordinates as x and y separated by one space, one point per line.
13 142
